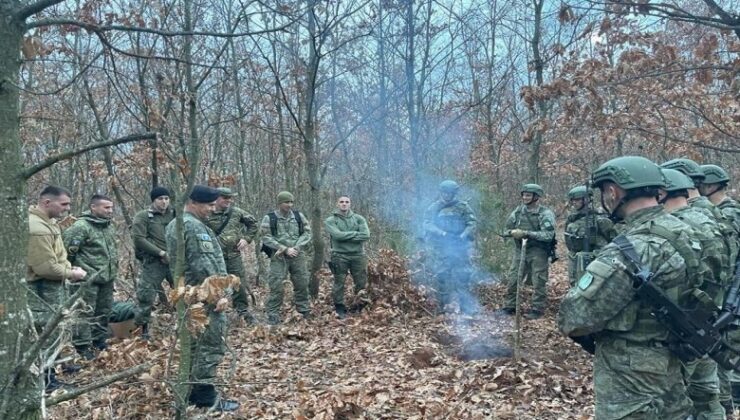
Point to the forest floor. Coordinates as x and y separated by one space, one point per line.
394 360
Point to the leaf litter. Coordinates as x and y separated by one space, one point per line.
395 359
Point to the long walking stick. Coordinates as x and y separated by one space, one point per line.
518 317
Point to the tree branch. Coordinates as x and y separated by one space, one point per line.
34 8
99 384
29 172
94 27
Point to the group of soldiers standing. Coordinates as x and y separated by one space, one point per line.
649 292
661 261
84 257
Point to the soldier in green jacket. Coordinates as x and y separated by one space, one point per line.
348 232
535 222
584 228
286 234
449 226
636 375
730 235
91 244
203 258
715 271
235 229
714 187
150 246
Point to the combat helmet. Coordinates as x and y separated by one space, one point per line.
714 174
580 191
449 186
629 172
676 180
532 188
687 167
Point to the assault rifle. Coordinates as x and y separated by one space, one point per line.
731 308
695 327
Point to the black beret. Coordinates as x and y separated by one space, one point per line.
204 194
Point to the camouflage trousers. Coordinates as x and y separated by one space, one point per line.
536 269
452 275
701 379
235 266
92 325
356 265
728 377
149 286
280 267
638 381
44 298
208 349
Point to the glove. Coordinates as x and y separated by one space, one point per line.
518 233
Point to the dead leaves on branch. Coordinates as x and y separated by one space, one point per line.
213 289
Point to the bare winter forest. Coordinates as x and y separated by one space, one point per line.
377 99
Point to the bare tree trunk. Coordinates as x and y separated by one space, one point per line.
311 151
23 398
534 157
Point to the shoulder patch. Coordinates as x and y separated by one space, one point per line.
204 237
586 280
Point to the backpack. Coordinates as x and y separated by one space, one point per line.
273 229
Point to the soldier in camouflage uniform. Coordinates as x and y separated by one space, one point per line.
48 266
203 258
535 222
348 232
584 227
636 375
91 244
286 234
714 187
235 229
729 232
450 225
715 271
150 246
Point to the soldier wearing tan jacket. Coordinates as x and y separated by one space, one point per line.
48 266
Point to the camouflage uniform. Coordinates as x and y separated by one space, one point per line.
636 376
730 380
203 258
237 224
450 229
91 245
540 225
287 236
701 374
148 232
578 226
348 234
48 267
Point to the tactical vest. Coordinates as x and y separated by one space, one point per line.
578 227
635 322
449 219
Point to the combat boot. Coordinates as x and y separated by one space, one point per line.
533 314
505 311
341 311
51 383
100 345
205 396
85 352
